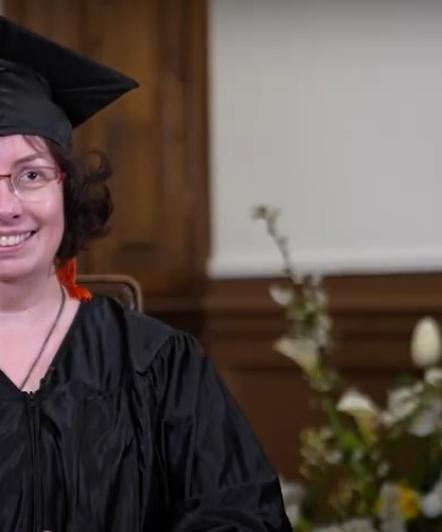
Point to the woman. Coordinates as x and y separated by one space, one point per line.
109 421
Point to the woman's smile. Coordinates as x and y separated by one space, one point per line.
13 240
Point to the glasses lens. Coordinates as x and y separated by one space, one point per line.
33 184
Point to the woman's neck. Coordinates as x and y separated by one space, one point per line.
27 299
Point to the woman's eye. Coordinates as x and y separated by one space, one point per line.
31 175
31 178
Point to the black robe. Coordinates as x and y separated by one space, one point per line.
130 431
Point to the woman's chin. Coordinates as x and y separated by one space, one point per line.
14 271
12 277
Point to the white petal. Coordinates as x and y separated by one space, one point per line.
354 402
433 376
302 351
281 295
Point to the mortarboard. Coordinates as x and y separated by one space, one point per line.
47 89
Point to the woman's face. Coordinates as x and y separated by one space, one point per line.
30 232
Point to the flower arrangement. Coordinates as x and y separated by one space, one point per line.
369 468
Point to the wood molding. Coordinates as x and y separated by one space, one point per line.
365 308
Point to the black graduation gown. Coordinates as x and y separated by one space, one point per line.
130 431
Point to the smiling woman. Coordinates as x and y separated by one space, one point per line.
123 417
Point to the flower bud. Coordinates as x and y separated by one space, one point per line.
426 343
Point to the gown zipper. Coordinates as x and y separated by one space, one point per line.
34 422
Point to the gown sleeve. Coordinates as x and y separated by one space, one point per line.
218 479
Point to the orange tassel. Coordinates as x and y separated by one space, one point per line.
67 274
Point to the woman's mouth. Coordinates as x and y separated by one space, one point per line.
8 241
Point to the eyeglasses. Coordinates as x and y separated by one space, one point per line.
33 184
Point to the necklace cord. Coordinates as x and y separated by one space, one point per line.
47 338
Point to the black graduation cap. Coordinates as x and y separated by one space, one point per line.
47 89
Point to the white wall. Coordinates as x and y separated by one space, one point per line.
331 110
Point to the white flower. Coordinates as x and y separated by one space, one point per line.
352 525
428 419
388 511
292 494
401 403
303 351
333 457
364 412
359 525
433 376
321 298
431 504
426 343
393 525
281 295
355 403
383 469
323 330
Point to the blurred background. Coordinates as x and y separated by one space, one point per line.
327 109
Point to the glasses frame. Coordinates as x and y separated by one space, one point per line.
60 177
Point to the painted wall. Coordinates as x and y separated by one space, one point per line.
332 111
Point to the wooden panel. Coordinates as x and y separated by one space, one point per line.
155 136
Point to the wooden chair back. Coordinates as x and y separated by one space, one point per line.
123 288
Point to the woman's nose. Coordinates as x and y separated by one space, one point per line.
10 204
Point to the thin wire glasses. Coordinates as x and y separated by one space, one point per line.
33 184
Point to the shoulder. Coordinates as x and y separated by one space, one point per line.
145 340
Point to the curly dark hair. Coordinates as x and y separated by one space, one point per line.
87 200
